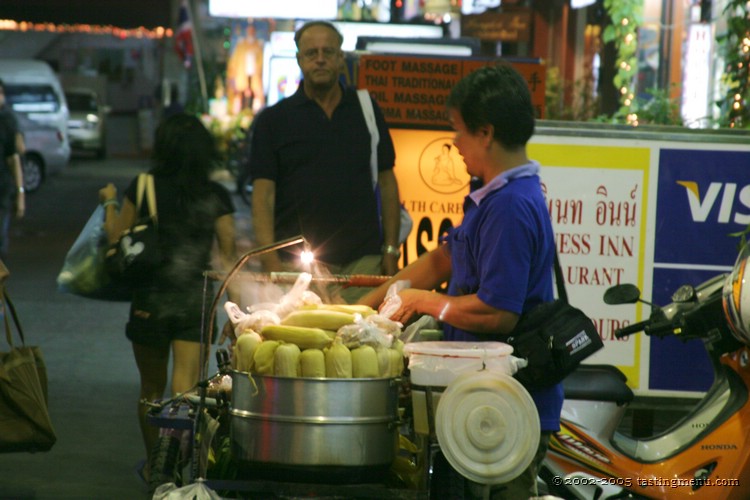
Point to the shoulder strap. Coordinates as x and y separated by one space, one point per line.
562 294
146 187
365 102
9 309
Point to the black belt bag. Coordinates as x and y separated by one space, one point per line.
554 338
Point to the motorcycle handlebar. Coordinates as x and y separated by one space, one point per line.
630 329
661 329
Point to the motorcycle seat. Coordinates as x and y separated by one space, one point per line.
598 383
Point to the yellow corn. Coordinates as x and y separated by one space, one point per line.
263 357
303 337
338 360
286 360
364 362
244 350
398 344
312 363
384 361
318 318
397 362
346 308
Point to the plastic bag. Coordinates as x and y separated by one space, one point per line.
392 301
255 321
365 332
271 313
376 329
83 272
412 332
194 491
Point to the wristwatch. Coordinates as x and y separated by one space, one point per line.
392 250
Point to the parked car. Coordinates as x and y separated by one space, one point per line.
47 152
33 89
86 125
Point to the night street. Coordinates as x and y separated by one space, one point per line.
93 381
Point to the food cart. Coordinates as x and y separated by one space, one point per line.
373 434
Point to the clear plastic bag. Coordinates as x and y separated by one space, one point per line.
83 272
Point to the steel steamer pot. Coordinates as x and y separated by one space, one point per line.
337 430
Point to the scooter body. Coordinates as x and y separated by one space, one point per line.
704 455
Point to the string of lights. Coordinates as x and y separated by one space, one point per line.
122 33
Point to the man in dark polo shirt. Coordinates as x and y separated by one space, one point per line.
310 164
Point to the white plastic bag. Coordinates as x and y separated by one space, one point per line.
193 491
392 301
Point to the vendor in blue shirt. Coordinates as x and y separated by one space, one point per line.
498 262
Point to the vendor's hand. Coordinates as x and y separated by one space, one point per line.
410 300
108 192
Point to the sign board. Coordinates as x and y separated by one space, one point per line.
412 91
626 208
513 26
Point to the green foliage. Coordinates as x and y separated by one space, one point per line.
626 16
658 109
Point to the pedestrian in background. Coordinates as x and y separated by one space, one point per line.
498 262
12 193
310 165
193 213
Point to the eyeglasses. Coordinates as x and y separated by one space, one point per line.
312 54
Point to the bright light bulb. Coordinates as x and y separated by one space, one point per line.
307 257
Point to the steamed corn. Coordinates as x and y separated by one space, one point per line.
302 337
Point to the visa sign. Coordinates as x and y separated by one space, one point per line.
702 197
700 209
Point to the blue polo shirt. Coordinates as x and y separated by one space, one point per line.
322 172
503 251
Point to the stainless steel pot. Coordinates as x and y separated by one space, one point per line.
314 423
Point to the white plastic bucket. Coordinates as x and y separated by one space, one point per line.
434 365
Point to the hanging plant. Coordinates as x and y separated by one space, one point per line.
735 48
626 16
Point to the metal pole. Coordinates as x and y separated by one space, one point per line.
195 34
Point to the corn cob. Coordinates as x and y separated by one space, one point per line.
263 357
397 362
286 360
318 318
361 309
364 362
338 360
303 337
244 350
312 363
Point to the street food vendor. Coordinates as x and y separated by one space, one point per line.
498 262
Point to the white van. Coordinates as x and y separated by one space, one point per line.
33 89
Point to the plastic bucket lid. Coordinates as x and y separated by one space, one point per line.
447 349
487 426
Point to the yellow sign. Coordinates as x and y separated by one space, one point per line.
432 182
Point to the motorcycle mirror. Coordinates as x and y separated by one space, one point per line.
622 294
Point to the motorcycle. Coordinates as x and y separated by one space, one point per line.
706 454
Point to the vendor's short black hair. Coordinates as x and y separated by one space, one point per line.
496 95
311 24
